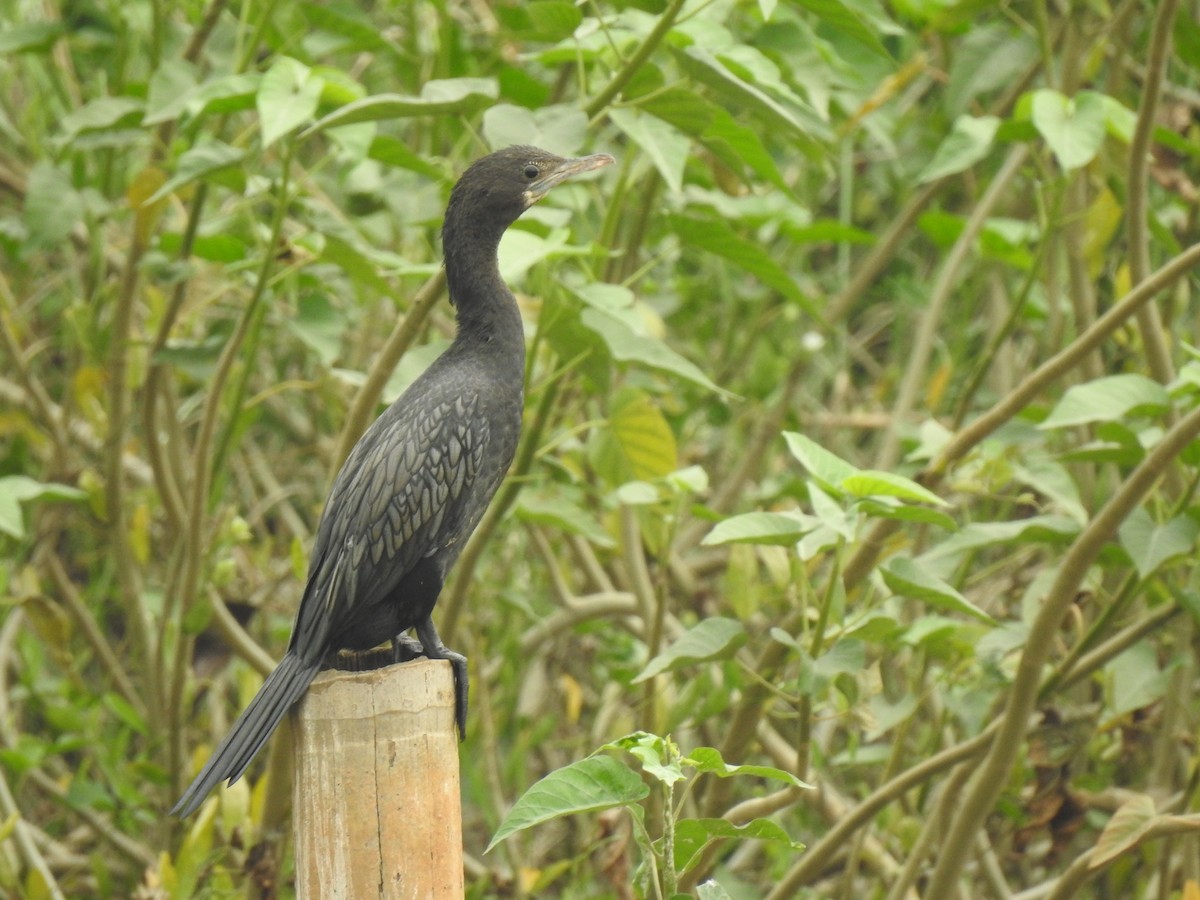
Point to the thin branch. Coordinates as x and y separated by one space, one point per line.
1137 218
644 51
394 348
939 296
992 774
1009 406
105 654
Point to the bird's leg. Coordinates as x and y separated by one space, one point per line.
405 649
435 649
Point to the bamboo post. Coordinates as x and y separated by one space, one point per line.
376 791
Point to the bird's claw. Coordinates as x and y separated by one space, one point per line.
462 686
431 647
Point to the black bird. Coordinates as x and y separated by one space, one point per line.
418 481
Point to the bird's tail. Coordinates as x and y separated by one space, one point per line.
253 727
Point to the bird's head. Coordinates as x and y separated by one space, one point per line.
504 184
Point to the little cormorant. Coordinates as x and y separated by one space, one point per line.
418 481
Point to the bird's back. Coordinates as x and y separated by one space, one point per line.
409 495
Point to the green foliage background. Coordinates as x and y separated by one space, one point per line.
862 400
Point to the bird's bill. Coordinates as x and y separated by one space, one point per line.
568 168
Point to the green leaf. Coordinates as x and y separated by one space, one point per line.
1129 824
206 158
906 578
102 114
666 148
739 146
555 508
560 128
195 358
626 346
1151 545
1108 399
226 94
449 96
52 205
123 710
319 325
715 236
711 639
1074 128
693 835
553 20
1136 680
842 18
222 248
589 785
708 759
1119 120
355 263
392 152
18 489
797 120
873 483
968 142
782 529
287 98
1036 529
658 756
171 87
846 657
358 31
35 37
711 890
827 468
637 444
1051 478
889 508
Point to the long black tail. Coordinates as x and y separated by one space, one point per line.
253 727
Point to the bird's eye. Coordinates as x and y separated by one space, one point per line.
532 171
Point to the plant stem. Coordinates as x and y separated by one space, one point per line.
939 296
394 348
992 774
197 523
635 62
1149 321
863 560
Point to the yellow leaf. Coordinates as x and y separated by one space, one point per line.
1191 890
1128 825
638 444
146 215
36 887
299 558
50 622
572 698
937 385
1103 219
93 485
139 533
167 879
528 877
1122 281
88 385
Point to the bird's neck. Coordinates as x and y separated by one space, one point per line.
485 308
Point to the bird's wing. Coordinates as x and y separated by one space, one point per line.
399 495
